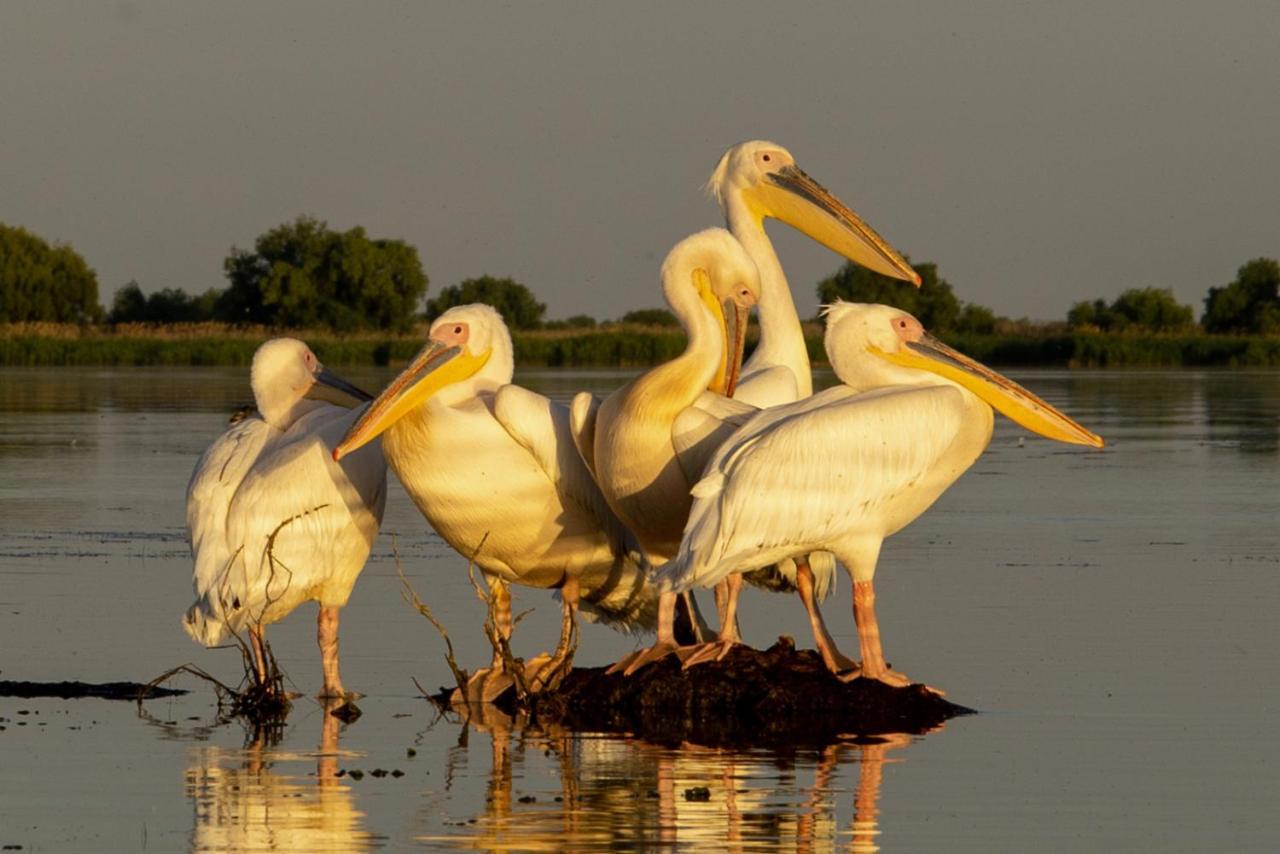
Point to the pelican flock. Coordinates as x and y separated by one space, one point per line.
273 520
699 472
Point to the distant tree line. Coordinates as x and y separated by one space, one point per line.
298 275
1145 309
1249 304
304 274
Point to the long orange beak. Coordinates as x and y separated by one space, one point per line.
1000 392
436 366
802 203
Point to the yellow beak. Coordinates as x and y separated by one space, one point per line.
436 366
1000 392
802 203
735 319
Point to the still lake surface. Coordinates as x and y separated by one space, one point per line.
1111 614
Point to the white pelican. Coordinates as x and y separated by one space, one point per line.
847 467
757 180
493 468
273 520
646 447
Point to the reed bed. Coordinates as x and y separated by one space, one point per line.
612 345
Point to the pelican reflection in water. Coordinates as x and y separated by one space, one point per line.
624 793
264 799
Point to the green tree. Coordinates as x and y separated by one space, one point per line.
934 303
1251 303
650 317
305 274
1154 309
168 305
1086 314
1145 309
513 301
976 318
40 282
129 305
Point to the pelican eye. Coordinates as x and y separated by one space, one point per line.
766 158
457 330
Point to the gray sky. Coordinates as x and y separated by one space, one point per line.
1040 153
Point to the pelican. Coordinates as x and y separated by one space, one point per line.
273 520
845 468
493 468
645 443
754 181
759 180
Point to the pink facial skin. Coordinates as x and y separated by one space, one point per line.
452 334
908 329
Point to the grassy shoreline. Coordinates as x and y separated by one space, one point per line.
50 345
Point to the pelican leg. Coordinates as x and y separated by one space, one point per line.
831 656
727 592
500 596
258 648
561 662
864 615
488 683
873 663
327 639
664 645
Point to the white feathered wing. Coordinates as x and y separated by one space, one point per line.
811 476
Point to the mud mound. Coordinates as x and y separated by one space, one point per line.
778 696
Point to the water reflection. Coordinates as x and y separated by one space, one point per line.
243 803
614 792
1243 411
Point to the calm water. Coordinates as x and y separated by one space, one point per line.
1111 613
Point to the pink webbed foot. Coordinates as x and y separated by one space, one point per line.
629 664
705 652
890 677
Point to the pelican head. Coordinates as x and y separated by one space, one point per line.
468 350
871 346
766 178
725 278
285 374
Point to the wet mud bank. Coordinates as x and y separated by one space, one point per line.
80 690
779 696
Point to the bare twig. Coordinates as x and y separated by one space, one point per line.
225 692
272 560
459 674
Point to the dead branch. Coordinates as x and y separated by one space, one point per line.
459 674
223 691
